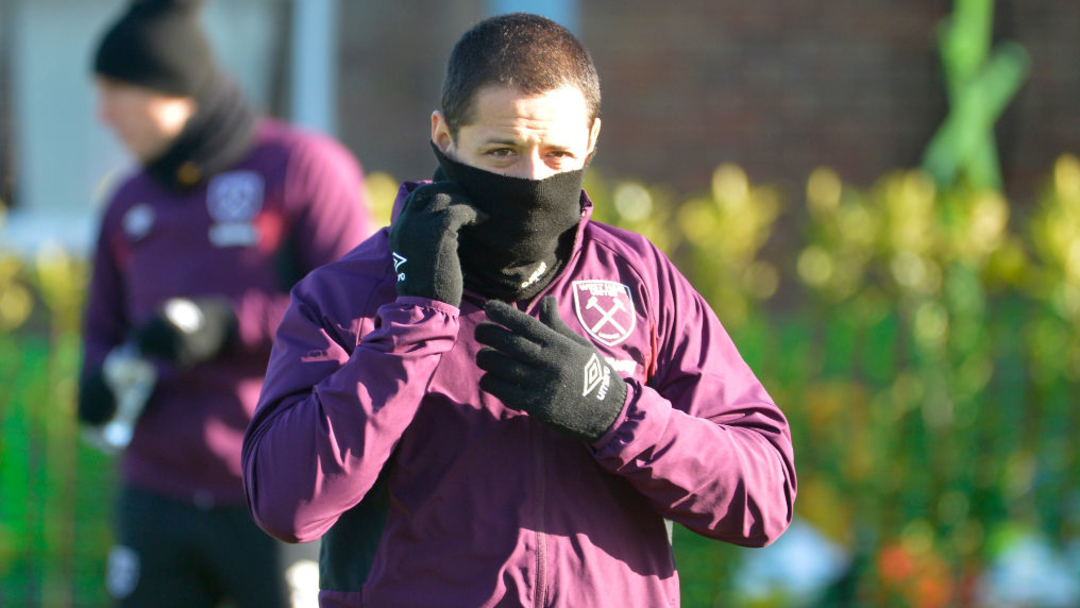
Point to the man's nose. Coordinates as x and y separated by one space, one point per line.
532 166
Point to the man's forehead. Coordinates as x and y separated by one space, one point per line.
499 110
131 89
503 94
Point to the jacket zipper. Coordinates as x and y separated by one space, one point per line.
540 598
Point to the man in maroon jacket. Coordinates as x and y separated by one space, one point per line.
532 397
197 252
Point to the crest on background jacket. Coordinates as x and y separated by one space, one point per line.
138 221
233 200
605 309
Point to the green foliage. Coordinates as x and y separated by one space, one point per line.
54 508
923 343
980 84
924 346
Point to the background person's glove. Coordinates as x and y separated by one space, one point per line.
112 398
188 331
424 242
97 403
545 369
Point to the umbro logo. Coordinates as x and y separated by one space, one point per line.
597 377
398 261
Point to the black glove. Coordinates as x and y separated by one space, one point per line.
187 332
97 403
545 369
424 241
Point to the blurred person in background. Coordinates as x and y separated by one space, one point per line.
533 396
196 254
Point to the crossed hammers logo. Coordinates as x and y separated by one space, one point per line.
607 315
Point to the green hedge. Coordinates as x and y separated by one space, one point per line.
925 346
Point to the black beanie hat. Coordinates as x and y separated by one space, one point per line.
160 45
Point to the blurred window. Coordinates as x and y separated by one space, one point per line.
564 12
65 159
7 168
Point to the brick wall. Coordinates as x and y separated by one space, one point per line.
777 86
392 60
1044 120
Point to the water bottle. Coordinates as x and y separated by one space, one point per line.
131 379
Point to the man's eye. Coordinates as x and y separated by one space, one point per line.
500 152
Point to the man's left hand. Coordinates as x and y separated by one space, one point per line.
545 369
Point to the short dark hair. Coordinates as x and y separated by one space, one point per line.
530 53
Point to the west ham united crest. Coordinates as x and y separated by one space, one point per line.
233 200
605 309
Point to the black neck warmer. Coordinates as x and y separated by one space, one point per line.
216 137
528 236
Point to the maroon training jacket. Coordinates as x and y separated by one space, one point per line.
488 507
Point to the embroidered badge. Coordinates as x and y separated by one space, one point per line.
233 200
138 221
123 571
605 309
626 367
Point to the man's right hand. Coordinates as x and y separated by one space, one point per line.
424 241
97 403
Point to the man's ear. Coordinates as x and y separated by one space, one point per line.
440 132
594 135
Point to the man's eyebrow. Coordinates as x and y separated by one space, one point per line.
502 142
506 141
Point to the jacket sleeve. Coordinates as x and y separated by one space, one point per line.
104 319
327 203
328 419
701 439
